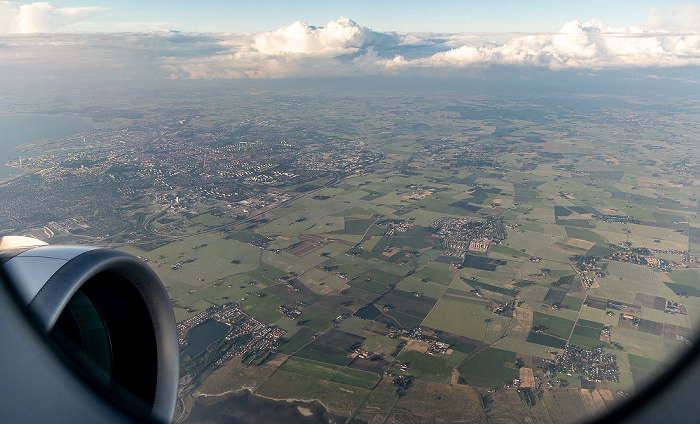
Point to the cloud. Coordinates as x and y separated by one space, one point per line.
340 48
342 36
343 47
681 18
295 50
40 17
100 58
576 46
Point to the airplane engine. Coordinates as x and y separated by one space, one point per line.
109 350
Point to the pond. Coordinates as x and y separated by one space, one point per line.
203 335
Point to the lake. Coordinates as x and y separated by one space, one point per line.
18 128
204 334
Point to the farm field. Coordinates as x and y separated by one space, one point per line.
330 372
465 319
411 258
490 368
425 366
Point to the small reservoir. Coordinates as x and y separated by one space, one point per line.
202 335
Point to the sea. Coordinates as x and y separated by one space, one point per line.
245 407
18 128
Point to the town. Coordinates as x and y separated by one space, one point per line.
173 168
592 364
247 337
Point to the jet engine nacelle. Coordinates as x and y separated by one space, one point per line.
104 315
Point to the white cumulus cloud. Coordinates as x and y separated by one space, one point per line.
589 45
39 17
338 37
340 48
343 47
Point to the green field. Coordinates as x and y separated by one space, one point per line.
356 226
323 357
330 372
573 303
289 325
689 277
216 292
435 275
556 326
405 320
493 288
457 345
292 385
308 367
352 325
546 340
316 318
505 250
354 211
586 342
266 274
600 251
380 344
465 319
302 337
591 324
490 368
584 234
593 333
425 366
371 286
263 308
354 378
644 363
427 288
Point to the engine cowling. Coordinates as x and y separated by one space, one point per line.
107 312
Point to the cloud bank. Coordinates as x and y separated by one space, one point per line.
40 17
671 38
579 46
684 17
343 47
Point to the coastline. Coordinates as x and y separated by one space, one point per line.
308 409
16 176
246 389
18 130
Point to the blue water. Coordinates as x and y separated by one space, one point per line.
18 128
201 336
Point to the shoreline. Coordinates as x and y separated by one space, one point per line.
6 180
288 400
25 128
250 392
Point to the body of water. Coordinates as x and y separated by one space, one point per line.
18 128
245 407
203 335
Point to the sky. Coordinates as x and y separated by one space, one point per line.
387 15
279 39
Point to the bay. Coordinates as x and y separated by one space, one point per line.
18 128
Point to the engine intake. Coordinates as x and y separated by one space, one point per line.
108 313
